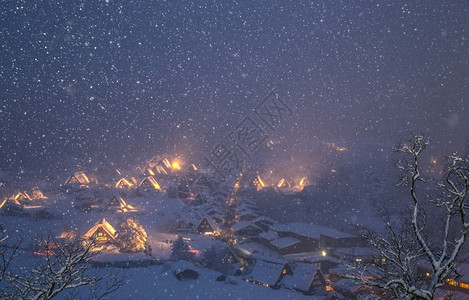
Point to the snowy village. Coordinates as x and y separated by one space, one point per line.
174 218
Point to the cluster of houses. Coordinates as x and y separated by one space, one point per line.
22 201
299 256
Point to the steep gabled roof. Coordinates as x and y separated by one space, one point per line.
9 201
22 196
124 183
266 272
103 225
78 177
245 225
303 276
150 182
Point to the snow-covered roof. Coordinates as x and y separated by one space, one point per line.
284 242
263 219
104 225
266 272
258 252
311 230
269 235
302 277
244 225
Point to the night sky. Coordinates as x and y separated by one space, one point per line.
119 81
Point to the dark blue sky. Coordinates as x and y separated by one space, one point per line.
123 80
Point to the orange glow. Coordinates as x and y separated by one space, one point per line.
194 167
150 182
281 182
333 170
341 149
124 183
434 161
118 172
260 181
150 171
176 166
196 252
452 282
302 181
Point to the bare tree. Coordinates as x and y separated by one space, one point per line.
416 262
65 268
7 253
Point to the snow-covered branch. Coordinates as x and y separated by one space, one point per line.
64 268
415 264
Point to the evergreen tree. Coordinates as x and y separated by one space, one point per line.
181 251
131 237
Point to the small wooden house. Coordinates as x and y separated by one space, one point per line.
207 227
119 204
78 178
103 232
149 183
22 197
124 183
306 278
246 229
7 202
268 274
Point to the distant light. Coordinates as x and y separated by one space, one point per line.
176 165
323 253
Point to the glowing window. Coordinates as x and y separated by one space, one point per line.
464 285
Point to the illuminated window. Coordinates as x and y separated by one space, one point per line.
452 282
323 253
428 274
358 259
464 285
284 271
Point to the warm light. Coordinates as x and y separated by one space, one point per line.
329 288
123 183
196 252
452 282
433 160
464 285
358 259
176 165
260 181
194 167
281 182
333 170
341 149
150 171
428 274
302 181
323 253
